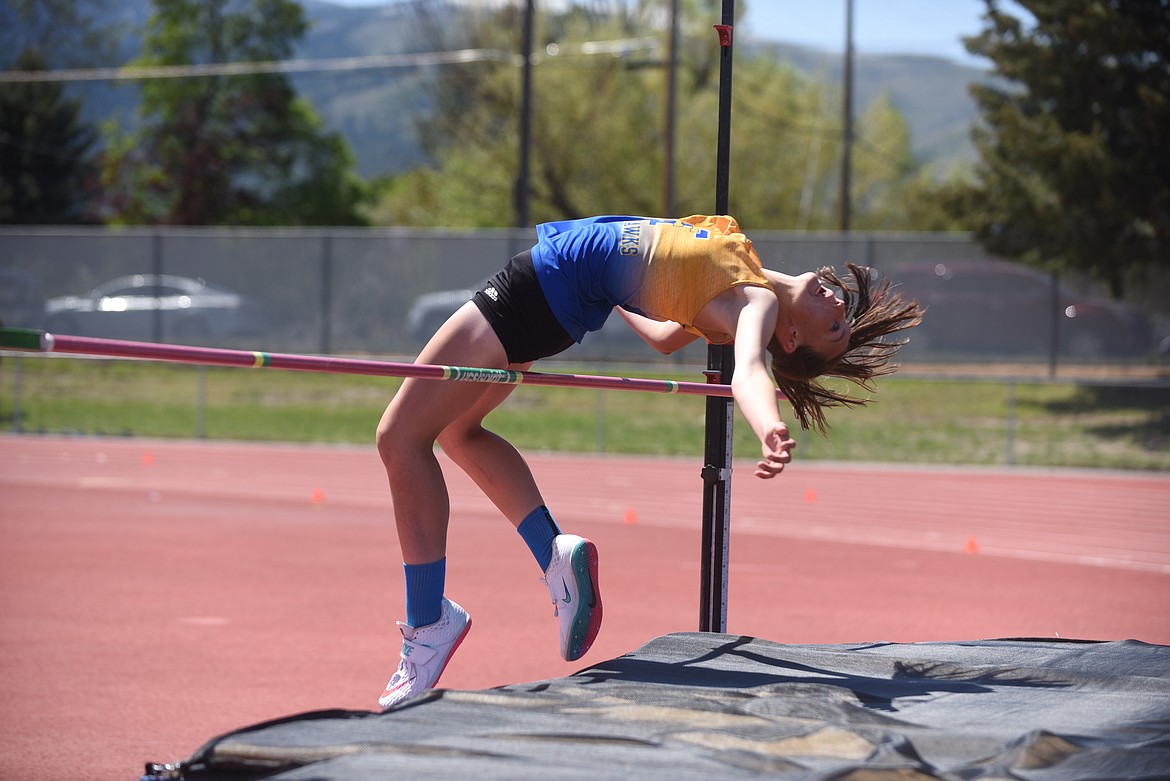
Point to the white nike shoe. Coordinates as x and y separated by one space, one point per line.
571 578
425 653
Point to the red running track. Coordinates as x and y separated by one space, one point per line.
156 594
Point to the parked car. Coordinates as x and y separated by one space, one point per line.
431 310
1006 308
187 309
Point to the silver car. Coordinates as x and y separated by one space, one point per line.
150 307
431 310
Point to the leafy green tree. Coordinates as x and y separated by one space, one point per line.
46 166
239 149
1074 168
598 130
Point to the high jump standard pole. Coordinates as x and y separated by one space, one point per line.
720 411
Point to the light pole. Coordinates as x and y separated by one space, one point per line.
843 196
520 193
671 99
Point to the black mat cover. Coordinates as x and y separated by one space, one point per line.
715 706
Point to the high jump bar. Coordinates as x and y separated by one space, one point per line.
32 340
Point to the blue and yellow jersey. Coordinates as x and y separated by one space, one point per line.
665 269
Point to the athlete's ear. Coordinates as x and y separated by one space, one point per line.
791 342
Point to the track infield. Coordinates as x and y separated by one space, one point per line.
158 593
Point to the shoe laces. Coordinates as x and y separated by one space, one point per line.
552 596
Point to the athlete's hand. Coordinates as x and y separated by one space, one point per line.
777 449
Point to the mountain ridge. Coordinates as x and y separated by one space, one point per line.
930 92
376 109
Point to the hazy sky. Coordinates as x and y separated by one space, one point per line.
879 26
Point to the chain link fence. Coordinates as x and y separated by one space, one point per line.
383 291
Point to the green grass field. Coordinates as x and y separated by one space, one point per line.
916 419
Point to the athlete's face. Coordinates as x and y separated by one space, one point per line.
819 317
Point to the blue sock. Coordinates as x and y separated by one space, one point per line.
424 592
538 529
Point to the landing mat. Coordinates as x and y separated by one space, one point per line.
707 706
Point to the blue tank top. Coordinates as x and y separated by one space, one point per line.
587 267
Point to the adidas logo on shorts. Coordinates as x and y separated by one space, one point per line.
492 293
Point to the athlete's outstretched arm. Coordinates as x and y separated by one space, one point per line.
751 383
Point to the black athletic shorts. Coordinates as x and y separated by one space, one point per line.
518 312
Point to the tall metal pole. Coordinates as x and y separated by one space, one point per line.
720 365
521 191
843 195
327 294
671 100
156 265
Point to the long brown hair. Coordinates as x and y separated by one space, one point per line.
874 311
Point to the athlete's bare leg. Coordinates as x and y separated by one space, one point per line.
418 416
490 460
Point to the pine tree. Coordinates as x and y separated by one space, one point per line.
1075 169
45 152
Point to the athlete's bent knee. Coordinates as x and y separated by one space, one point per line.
384 441
455 438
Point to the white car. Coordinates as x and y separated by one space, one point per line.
133 307
431 310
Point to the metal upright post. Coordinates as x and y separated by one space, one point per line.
156 268
720 365
326 345
844 195
520 194
671 102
